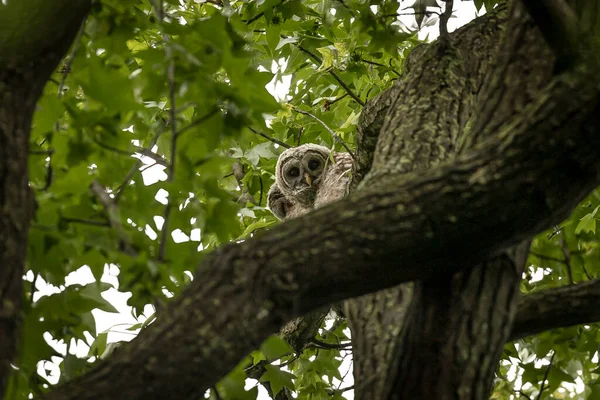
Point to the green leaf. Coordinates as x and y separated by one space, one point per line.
587 223
277 378
275 347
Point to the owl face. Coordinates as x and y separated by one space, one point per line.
300 171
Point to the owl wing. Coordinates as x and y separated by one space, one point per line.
337 176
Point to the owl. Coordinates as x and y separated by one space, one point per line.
307 178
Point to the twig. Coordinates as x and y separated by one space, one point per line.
444 21
300 132
136 167
544 257
260 198
332 73
32 289
49 177
269 138
332 392
42 152
335 135
260 14
567 255
238 173
330 346
288 362
137 149
112 213
216 392
350 11
523 394
539 396
379 65
86 222
67 67
197 122
171 170
426 13
585 271
559 26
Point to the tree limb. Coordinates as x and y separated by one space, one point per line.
559 26
434 219
557 308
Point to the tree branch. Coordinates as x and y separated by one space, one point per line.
559 26
434 218
112 213
333 74
271 139
557 308
333 134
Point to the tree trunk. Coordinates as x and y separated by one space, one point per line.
26 62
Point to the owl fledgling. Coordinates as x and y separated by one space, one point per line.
306 178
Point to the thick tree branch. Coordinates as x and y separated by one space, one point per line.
559 26
433 218
557 308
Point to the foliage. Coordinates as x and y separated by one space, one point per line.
176 93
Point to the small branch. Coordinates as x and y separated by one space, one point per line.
112 213
378 65
330 346
260 14
197 122
333 74
557 308
216 392
544 257
86 222
425 13
444 18
42 152
260 198
539 396
238 173
269 138
136 149
585 271
559 26
171 170
567 255
523 394
300 132
335 135
150 154
67 67
342 390
136 167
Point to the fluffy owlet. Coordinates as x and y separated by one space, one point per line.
306 178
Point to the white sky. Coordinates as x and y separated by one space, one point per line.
116 324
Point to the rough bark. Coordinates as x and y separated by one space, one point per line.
455 331
434 219
560 307
27 58
258 284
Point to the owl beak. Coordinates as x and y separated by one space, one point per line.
308 179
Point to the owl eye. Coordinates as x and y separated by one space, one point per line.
313 164
294 172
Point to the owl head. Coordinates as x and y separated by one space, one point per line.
299 172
